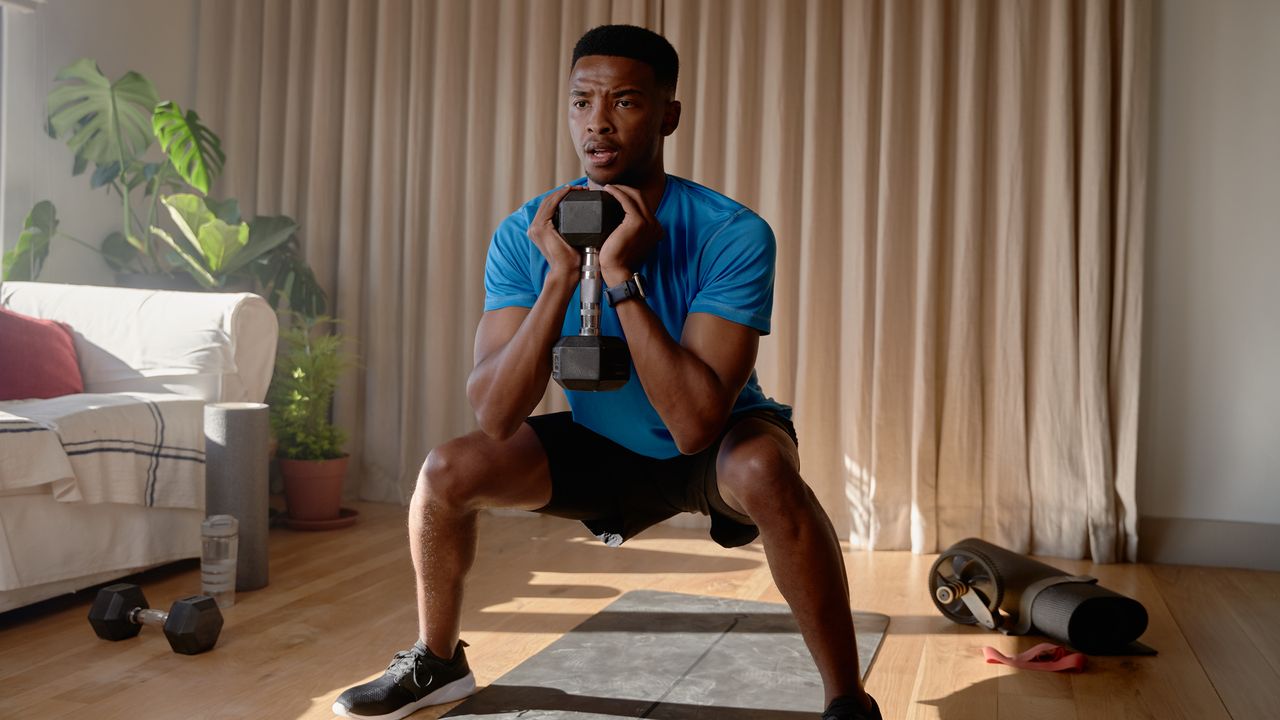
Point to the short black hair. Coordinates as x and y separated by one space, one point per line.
637 43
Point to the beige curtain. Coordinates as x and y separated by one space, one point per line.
957 188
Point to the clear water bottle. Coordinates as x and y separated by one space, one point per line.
220 538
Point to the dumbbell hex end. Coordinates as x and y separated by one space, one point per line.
109 614
591 364
193 625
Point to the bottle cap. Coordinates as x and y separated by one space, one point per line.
219 526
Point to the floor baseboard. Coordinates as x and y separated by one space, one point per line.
1212 543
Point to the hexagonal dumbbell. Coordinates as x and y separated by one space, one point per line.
589 361
192 624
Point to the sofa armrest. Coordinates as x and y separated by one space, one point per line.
217 346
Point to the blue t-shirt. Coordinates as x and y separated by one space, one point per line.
716 256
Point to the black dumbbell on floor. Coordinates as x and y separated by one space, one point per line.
192 623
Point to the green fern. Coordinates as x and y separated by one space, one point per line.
307 370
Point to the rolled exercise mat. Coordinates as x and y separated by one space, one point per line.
237 435
975 582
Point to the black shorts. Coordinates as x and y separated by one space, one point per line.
618 493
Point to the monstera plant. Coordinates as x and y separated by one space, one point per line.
110 125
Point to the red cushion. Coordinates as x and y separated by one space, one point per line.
37 358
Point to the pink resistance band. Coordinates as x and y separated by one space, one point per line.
1046 656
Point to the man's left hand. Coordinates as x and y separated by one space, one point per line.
631 242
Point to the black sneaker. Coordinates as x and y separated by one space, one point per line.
846 708
415 679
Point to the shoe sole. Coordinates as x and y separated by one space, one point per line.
456 690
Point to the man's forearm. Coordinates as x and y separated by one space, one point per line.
685 391
508 384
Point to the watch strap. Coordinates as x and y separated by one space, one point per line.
632 288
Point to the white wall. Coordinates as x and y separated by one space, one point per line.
154 37
1210 424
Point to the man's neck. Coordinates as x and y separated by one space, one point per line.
651 189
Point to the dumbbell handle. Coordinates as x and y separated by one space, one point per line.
589 296
148 616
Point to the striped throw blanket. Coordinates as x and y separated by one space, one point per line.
133 448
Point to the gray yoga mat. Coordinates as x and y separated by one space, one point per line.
674 657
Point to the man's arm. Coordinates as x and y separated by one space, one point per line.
513 359
692 384
513 344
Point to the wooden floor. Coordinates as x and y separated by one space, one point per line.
341 602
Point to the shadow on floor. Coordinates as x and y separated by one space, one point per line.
517 700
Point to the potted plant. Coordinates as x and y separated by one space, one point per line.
110 126
309 450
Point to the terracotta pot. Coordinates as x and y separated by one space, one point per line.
313 488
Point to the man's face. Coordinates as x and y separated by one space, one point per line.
617 118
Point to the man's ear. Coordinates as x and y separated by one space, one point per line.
671 117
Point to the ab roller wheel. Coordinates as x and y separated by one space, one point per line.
967 588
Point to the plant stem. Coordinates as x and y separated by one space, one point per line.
78 241
155 196
124 194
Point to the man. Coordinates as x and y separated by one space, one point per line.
691 430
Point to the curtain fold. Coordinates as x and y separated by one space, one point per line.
957 189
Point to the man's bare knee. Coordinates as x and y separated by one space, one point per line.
450 475
759 478
474 472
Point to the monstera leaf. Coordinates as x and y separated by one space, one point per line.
284 276
119 254
104 122
214 248
193 149
26 259
266 232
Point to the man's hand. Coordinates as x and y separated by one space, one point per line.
513 344
565 261
627 247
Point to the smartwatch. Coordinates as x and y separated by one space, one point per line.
632 288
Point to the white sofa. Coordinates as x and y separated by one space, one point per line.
103 484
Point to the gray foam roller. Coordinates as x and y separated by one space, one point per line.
237 436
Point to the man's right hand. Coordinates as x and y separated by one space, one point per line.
513 344
565 261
